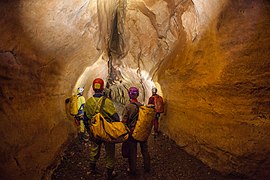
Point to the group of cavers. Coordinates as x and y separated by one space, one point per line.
99 123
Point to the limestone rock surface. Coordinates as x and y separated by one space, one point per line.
218 93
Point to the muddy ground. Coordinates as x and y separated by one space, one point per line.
168 162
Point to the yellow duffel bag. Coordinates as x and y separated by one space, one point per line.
144 124
108 131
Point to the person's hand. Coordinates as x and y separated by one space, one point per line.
77 123
80 116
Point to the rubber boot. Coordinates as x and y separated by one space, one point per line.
111 174
85 137
147 169
93 168
80 136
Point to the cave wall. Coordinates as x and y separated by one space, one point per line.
43 50
218 98
47 49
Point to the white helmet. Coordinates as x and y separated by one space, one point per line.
80 90
154 90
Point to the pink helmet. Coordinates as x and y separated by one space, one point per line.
133 92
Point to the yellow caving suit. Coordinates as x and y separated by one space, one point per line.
92 107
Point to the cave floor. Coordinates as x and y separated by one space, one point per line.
168 161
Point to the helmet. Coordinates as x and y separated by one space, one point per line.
80 90
154 90
133 92
98 85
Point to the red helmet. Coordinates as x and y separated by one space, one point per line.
133 92
98 85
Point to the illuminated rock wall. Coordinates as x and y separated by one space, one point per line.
217 89
43 50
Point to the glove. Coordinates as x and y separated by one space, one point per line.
76 121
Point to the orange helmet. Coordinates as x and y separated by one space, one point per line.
98 85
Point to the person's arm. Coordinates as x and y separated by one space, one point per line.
83 102
151 100
87 115
82 106
86 122
125 116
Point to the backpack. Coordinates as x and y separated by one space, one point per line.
67 108
74 105
144 124
103 130
159 104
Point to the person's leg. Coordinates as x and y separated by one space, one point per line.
110 159
146 155
82 129
155 123
110 155
94 155
84 136
132 159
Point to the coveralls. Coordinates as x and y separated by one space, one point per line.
79 116
156 118
130 117
92 107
